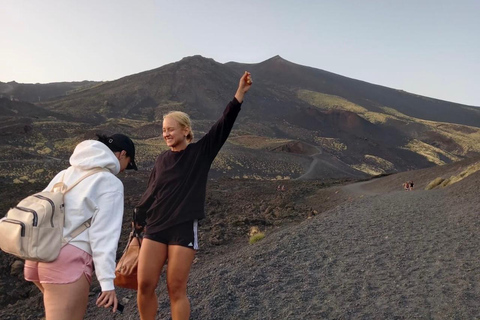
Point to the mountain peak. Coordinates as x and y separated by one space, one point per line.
194 57
276 58
196 60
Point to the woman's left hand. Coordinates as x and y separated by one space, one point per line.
107 299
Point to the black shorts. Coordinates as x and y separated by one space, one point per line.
183 234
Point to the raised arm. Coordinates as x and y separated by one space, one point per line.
213 141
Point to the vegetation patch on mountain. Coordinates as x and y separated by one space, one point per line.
444 182
431 153
374 165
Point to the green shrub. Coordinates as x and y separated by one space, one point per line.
435 183
446 182
256 237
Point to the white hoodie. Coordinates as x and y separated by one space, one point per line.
100 197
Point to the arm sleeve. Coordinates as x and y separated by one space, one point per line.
104 235
147 198
213 141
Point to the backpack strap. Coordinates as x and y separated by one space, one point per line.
62 187
84 226
96 170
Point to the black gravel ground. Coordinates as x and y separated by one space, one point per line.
378 252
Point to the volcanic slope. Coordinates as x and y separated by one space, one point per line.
382 253
369 128
368 250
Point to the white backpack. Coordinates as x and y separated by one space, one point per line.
33 230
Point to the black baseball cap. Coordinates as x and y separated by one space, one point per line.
121 142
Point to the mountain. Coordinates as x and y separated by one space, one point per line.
310 131
372 97
40 92
296 122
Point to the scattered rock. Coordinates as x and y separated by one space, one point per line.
17 268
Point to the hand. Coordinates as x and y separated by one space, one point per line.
107 299
243 86
135 225
138 228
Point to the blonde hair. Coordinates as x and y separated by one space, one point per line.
184 120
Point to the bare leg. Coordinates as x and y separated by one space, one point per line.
150 264
66 301
179 263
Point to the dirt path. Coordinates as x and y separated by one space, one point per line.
359 188
396 256
401 255
376 255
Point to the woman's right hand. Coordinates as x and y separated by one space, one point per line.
138 228
107 299
135 225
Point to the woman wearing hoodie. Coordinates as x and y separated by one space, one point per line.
174 202
65 282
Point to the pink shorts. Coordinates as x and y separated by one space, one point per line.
71 263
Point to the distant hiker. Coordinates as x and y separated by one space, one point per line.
406 186
65 282
173 203
410 185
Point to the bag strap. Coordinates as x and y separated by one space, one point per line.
96 170
84 226
62 187
133 234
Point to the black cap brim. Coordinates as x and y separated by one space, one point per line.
132 165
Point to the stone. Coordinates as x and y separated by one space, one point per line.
17 268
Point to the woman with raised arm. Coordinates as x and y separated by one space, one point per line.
174 202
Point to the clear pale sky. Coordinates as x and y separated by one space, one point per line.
427 47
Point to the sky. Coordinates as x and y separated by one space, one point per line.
427 47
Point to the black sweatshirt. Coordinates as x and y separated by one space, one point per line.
178 182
